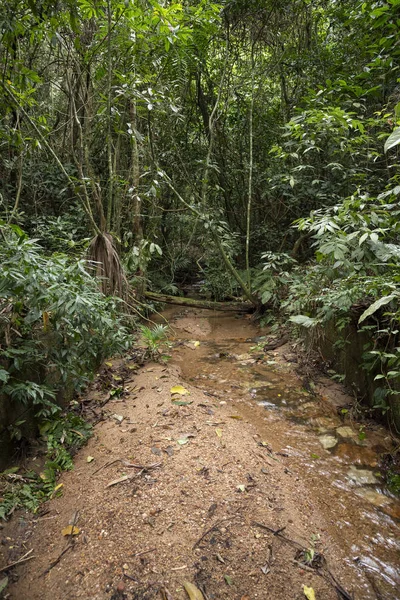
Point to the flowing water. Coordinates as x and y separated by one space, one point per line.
338 457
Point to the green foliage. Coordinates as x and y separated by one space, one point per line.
154 338
56 326
357 249
272 283
62 436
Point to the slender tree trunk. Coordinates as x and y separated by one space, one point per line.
109 121
250 186
135 177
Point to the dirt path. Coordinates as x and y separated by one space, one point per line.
206 472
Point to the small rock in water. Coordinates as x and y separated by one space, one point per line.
362 476
374 497
327 441
346 432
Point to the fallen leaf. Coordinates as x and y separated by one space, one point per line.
192 591
196 344
228 579
169 450
117 378
182 441
56 489
181 403
218 432
309 593
241 488
109 364
120 480
219 557
70 530
90 459
156 451
238 417
3 584
266 569
179 389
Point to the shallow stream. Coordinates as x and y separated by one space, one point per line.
307 428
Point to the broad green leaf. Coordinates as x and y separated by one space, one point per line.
376 306
4 375
304 321
393 139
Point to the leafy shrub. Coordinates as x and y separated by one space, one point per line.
55 325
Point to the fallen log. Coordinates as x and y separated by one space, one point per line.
191 302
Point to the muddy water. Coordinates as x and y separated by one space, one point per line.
336 456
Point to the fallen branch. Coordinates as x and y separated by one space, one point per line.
208 304
23 559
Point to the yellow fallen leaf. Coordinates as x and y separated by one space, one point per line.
90 459
238 417
192 591
218 432
179 389
70 530
57 489
309 593
109 364
196 344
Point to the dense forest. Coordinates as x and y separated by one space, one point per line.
249 146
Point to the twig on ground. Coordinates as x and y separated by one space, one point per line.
143 469
144 552
131 577
126 464
57 560
106 465
215 526
23 559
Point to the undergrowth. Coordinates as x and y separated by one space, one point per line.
61 437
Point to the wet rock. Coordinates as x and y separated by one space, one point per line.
362 476
346 432
373 496
327 441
